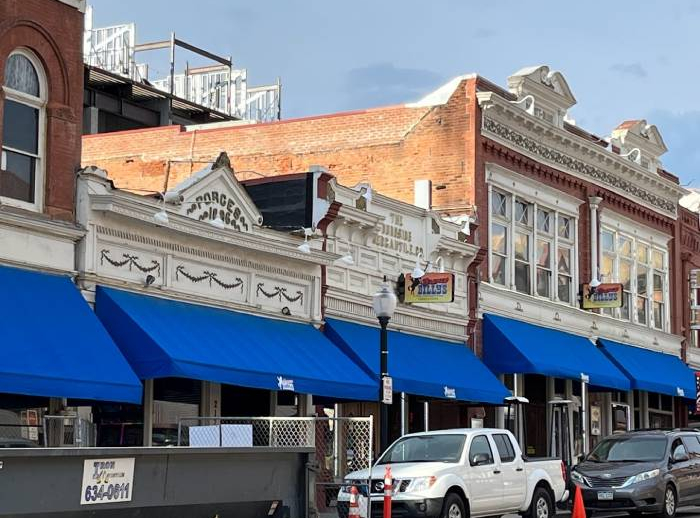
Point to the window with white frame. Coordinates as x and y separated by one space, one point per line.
533 247
21 179
642 269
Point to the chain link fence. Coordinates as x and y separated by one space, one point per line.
271 432
68 431
343 445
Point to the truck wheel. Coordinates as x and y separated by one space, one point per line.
453 507
541 506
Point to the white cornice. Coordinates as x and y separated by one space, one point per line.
351 215
563 317
137 208
420 321
575 155
40 225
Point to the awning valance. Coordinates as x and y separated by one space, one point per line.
53 345
163 338
652 371
513 346
420 366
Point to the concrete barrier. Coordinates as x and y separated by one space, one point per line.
165 482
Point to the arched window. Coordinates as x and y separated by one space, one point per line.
21 167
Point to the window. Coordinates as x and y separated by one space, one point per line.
479 447
692 443
641 269
505 447
533 251
23 119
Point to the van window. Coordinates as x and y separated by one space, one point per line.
505 447
692 444
480 445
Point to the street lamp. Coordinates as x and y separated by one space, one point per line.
384 304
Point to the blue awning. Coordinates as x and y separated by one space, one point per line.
420 366
163 338
53 345
512 346
651 370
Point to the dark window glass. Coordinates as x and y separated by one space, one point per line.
639 449
505 447
480 444
20 127
425 448
692 443
17 176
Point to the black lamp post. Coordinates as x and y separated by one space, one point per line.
384 304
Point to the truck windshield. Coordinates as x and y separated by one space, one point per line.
629 449
425 448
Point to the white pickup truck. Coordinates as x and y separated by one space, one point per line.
459 474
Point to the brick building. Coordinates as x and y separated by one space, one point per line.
48 328
552 207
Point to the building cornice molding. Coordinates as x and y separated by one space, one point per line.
570 153
140 210
419 321
40 225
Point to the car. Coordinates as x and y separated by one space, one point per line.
460 473
643 471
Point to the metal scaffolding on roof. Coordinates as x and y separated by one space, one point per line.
218 86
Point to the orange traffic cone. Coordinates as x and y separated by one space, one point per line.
579 509
354 510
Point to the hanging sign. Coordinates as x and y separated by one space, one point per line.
107 481
697 392
602 296
431 288
387 390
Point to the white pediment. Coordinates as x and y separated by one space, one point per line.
546 86
214 193
639 134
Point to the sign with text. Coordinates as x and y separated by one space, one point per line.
697 392
107 481
602 296
431 288
387 390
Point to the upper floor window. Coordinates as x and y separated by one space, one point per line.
21 179
642 269
532 247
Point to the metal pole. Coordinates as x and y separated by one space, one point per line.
584 412
384 372
404 403
426 415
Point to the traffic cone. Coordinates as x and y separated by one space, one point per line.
354 510
579 509
388 489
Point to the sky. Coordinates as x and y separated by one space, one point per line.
628 59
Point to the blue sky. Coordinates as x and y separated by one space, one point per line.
623 60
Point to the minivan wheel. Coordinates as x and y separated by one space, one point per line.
541 506
453 507
670 503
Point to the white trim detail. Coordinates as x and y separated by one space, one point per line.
532 190
609 218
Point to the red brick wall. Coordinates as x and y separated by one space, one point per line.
53 31
390 147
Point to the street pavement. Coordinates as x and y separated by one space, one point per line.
683 512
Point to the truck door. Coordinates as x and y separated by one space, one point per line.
512 472
484 477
